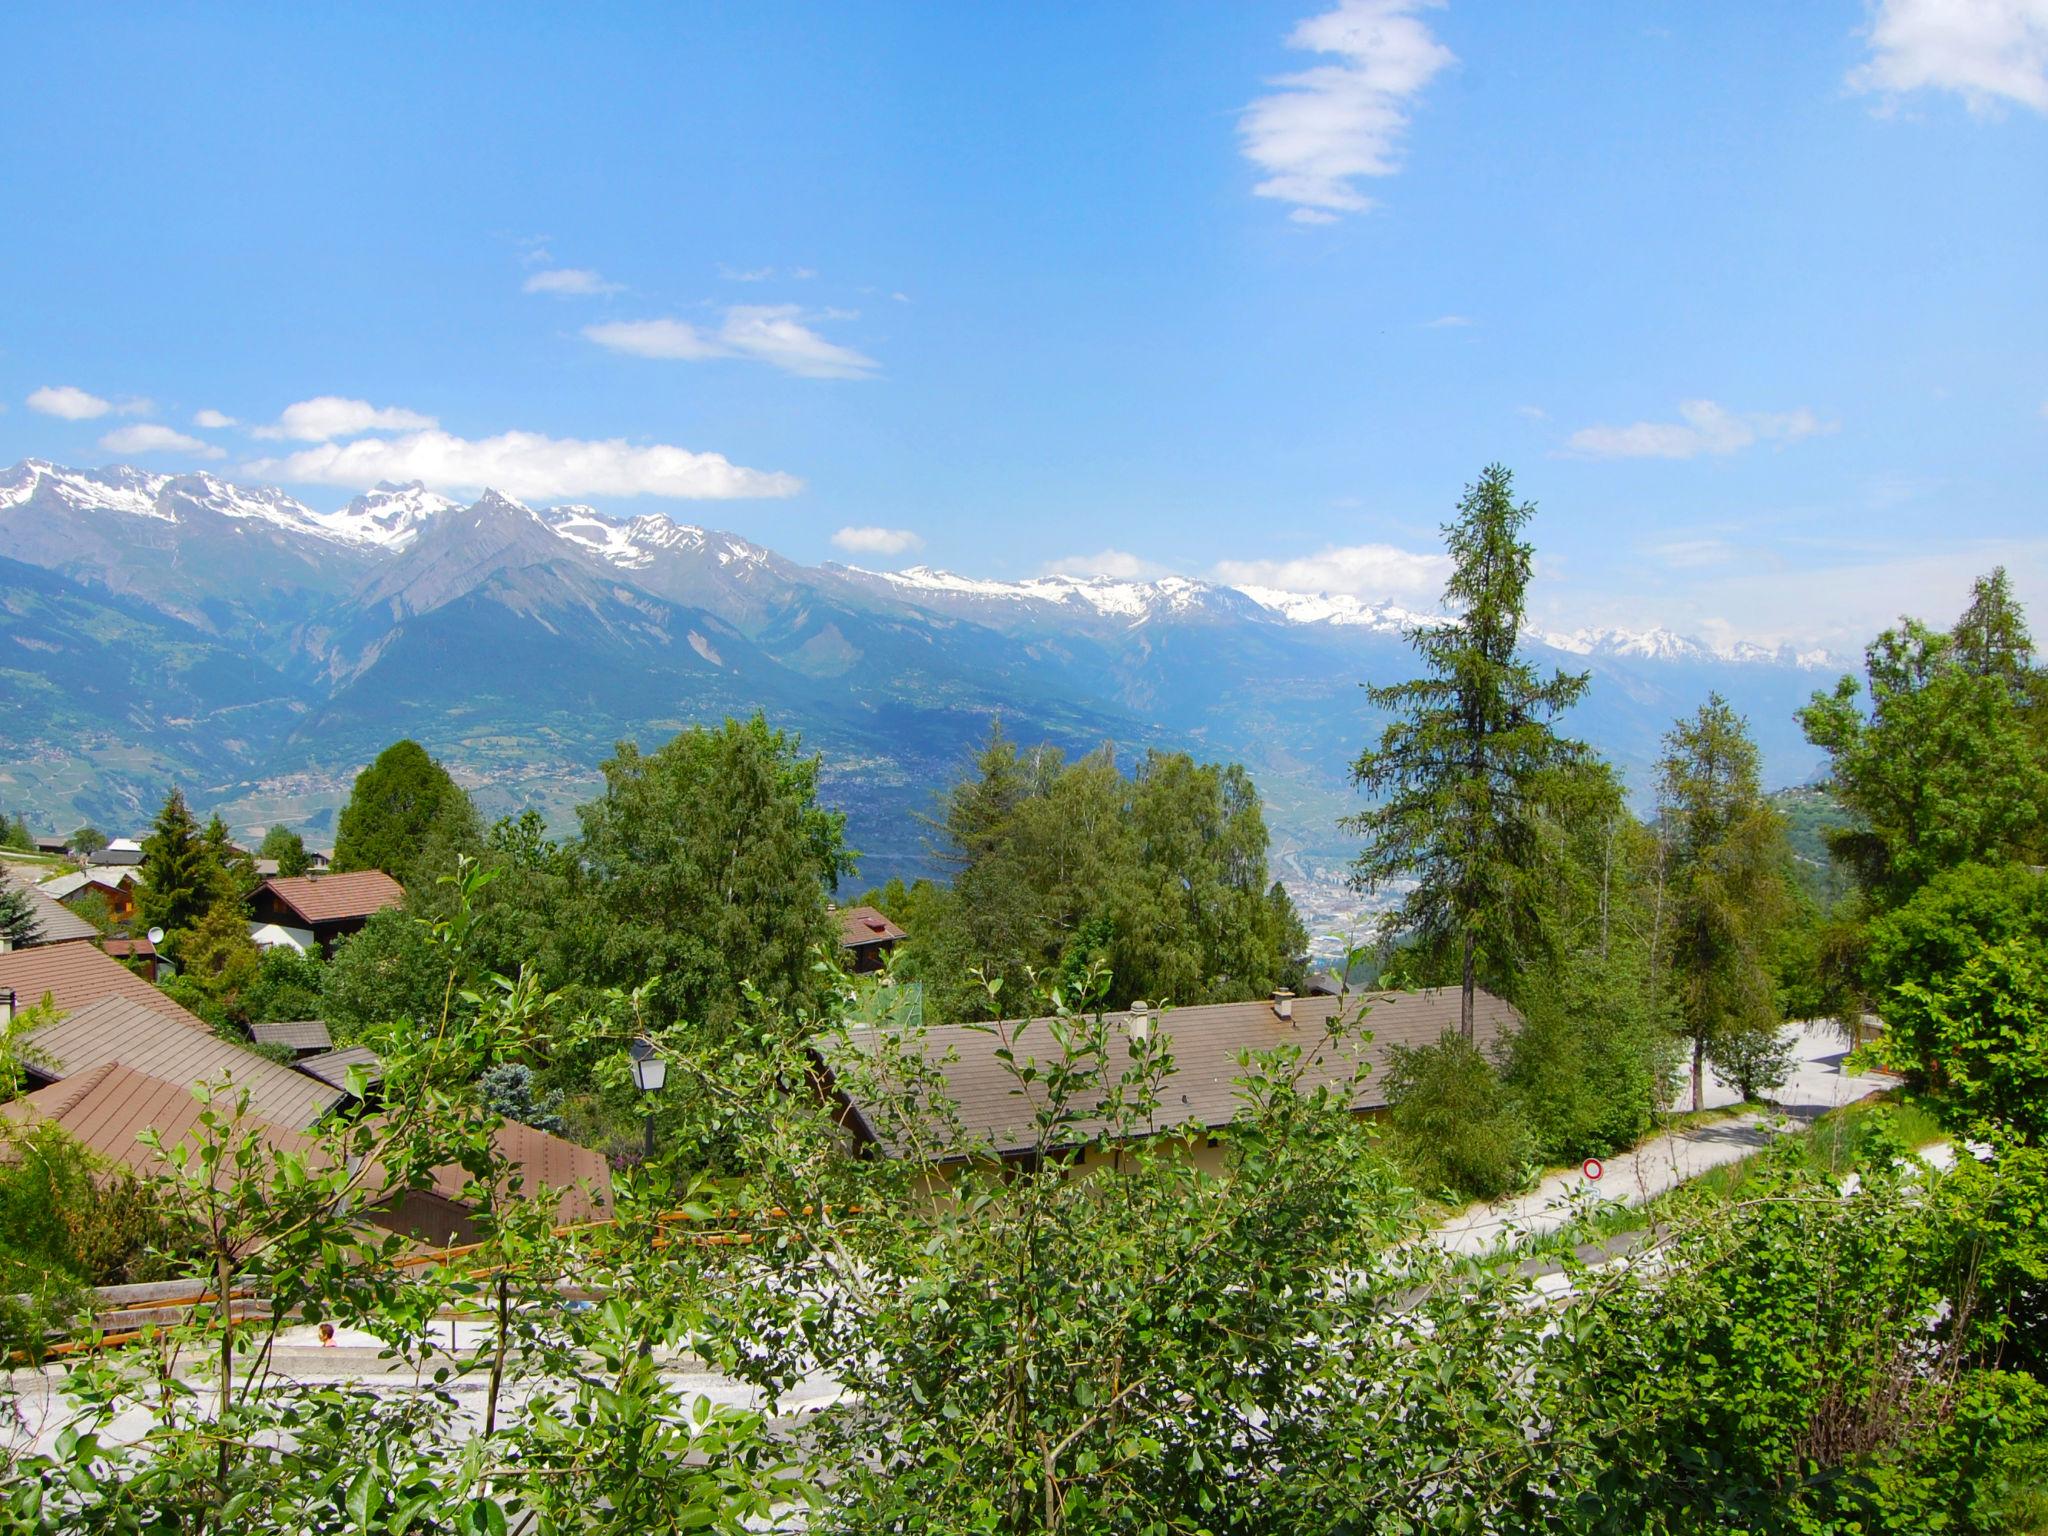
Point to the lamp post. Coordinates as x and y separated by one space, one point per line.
650 1076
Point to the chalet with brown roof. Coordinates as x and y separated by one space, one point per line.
122 1057
55 922
184 1052
995 1111
329 907
866 937
115 887
108 1108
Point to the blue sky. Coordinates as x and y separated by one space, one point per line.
1751 296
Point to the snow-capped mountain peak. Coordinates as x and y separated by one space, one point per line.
116 489
389 516
1385 617
1109 597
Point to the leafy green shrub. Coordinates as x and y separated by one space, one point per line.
391 970
1755 1062
66 1217
1985 1029
1587 1084
1456 1127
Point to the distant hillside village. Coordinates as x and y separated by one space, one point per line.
138 970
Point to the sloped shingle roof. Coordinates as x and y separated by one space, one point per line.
295 1035
77 975
125 1031
57 923
332 1066
859 926
1206 1042
337 898
108 1107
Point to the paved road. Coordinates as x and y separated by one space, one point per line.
1818 1084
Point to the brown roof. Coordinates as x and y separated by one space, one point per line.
77 975
582 1177
1206 1041
332 1066
108 1107
120 1029
859 926
337 898
296 1034
128 949
57 923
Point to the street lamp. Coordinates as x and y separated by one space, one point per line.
650 1076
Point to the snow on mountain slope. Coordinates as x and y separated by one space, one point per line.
118 489
1338 608
388 516
1108 596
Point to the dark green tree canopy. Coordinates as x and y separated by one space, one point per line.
407 817
182 875
705 864
287 848
1160 876
1462 774
88 839
1947 766
1727 863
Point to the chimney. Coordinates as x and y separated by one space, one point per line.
1141 1020
1283 1004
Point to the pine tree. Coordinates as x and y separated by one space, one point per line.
181 879
1728 890
19 924
1463 774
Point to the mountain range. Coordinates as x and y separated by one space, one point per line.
158 629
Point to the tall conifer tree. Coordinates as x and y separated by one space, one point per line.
180 878
1728 863
1462 774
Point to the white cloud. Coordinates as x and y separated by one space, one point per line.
1119 563
213 419
1702 427
1532 413
1371 571
69 402
150 437
1987 51
326 417
877 541
1332 124
768 333
803 274
527 465
745 274
1448 322
570 281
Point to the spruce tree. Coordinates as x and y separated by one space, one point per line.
1463 773
180 878
1727 863
19 924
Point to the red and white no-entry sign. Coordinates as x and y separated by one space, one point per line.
1592 1168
